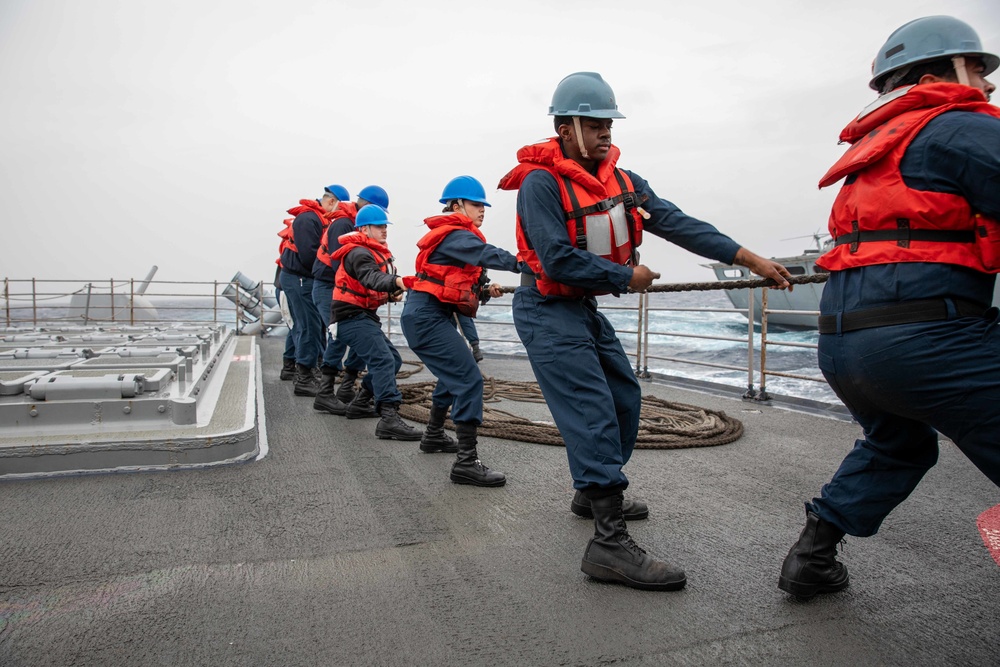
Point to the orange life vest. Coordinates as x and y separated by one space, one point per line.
877 219
458 285
287 235
348 289
602 211
287 242
345 209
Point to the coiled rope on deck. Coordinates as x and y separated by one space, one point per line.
662 424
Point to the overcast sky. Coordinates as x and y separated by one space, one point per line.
178 132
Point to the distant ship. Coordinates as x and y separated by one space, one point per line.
797 309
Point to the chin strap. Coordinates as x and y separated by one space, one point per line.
960 71
579 137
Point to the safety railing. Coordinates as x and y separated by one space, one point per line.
246 305
639 336
32 302
756 344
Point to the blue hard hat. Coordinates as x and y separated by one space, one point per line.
373 214
926 39
584 94
338 191
464 187
373 194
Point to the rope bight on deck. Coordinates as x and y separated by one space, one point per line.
662 424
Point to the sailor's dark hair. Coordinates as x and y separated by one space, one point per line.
943 68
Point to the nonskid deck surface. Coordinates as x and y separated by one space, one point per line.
115 398
341 549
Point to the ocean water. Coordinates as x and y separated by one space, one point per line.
497 334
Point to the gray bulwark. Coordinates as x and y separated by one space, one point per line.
185 397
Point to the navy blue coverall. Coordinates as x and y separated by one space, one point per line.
289 352
903 382
429 327
322 295
468 327
581 368
297 283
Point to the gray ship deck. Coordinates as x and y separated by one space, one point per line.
341 549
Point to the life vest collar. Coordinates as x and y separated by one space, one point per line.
897 122
345 209
453 220
358 238
923 96
314 206
549 155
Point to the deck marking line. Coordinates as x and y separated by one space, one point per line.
261 421
989 526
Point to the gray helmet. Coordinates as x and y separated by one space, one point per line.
926 39
584 94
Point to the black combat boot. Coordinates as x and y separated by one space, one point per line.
287 369
363 405
633 510
612 555
306 383
392 427
435 439
468 469
476 354
326 399
346 392
811 565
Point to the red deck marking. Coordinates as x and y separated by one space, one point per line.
989 526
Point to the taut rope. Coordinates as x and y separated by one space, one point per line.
722 284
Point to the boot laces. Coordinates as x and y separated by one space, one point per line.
394 419
626 539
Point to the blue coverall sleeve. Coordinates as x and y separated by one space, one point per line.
667 221
360 264
464 247
539 207
958 152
